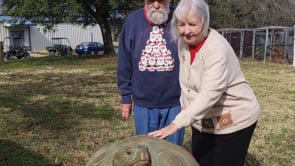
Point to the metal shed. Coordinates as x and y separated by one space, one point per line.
75 33
37 38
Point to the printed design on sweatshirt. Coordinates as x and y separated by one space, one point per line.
156 56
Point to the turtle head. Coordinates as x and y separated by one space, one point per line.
137 155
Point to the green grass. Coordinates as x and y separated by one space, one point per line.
60 110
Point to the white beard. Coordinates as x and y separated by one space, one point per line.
157 16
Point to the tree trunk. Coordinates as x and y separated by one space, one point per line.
1 52
107 37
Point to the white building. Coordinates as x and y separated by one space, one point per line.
38 38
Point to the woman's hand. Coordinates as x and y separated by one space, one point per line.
126 111
164 132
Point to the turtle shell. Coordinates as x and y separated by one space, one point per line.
142 150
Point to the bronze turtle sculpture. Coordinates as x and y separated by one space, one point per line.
142 150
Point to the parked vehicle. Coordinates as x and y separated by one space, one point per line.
60 46
14 50
93 48
19 53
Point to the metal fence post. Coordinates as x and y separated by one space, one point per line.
294 48
265 44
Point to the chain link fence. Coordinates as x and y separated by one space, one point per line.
273 43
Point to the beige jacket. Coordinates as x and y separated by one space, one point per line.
215 96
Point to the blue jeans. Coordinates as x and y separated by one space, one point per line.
151 119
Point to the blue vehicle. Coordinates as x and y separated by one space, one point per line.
92 48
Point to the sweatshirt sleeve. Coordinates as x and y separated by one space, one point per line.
124 66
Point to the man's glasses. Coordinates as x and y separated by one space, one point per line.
159 1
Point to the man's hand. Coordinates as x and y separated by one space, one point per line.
126 110
164 132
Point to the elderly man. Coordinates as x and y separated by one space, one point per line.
148 69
